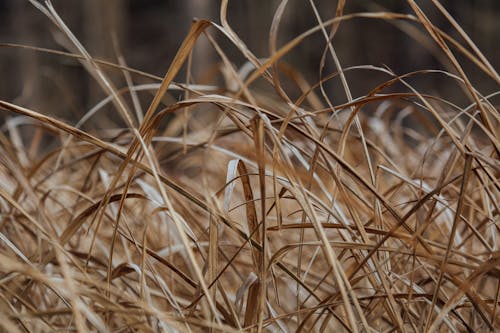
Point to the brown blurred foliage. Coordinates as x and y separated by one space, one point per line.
148 33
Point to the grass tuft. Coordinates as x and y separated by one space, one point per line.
253 200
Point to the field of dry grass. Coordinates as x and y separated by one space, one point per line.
253 201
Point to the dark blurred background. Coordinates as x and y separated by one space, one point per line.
150 31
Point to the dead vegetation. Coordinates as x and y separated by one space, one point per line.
242 207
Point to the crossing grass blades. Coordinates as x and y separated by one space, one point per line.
240 206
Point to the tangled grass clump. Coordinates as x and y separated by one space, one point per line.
243 207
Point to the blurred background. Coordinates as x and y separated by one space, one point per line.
148 33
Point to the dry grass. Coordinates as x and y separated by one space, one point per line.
240 207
